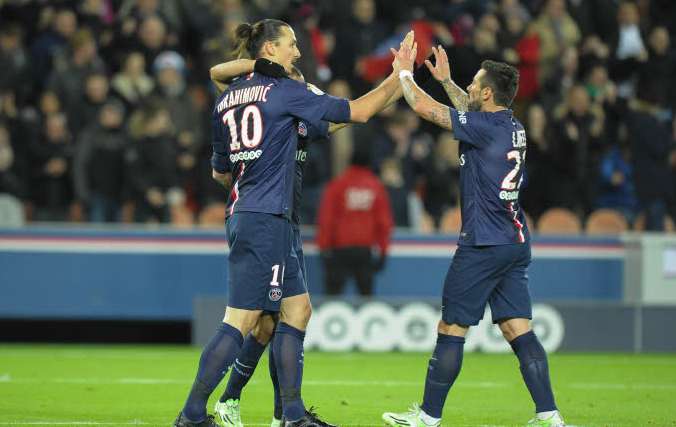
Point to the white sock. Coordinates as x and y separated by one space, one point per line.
545 415
430 421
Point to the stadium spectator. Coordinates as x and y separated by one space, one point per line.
86 110
9 181
355 40
576 147
442 176
151 165
354 217
51 183
627 47
50 43
132 84
540 181
14 66
556 31
99 164
616 186
72 67
651 140
393 179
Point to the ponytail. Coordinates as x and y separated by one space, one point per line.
243 35
249 39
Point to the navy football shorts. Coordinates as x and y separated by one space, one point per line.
295 276
497 275
260 245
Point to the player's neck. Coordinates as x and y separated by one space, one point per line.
492 108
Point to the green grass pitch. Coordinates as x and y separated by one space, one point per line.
146 385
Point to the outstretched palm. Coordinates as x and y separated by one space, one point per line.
441 70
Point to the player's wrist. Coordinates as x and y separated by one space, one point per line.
403 74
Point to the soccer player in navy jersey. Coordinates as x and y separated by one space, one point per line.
491 263
228 408
255 138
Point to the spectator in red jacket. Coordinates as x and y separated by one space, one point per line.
354 216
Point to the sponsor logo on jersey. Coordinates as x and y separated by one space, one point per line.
462 118
509 195
245 155
301 156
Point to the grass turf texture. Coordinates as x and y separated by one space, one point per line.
126 385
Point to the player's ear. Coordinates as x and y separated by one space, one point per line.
269 48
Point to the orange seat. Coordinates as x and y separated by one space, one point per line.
451 221
639 223
426 224
181 216
559 221
212 214
606 221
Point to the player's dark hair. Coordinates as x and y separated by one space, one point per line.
250 38
503 79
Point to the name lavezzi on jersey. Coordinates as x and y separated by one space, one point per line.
492 155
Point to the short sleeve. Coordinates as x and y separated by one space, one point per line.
471 127
308 103
319 130
220 161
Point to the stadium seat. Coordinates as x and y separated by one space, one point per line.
181 216
639 223
426 224
212 215
559 221
606 221
451 221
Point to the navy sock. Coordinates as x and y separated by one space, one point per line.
288 354
216 358
244 367
275 383
535 370
442 371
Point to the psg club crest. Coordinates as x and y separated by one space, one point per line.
275 294
302 129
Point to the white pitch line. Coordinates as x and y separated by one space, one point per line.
6 378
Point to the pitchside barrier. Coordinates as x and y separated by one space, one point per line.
122 273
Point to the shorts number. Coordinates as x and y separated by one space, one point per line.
275 275
509 182
251 114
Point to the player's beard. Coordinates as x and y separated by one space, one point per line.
474 106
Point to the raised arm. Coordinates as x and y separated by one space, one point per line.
334 127
223 72
441 70
366 106
423 104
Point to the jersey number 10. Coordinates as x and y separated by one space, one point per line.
251 113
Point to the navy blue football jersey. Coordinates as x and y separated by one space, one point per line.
255 135
492 163
306 134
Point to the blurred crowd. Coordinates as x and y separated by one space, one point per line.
105 104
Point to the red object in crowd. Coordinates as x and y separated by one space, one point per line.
528 49
376 67
355 211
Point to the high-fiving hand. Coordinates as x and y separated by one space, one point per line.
408 41
404 58
442 69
